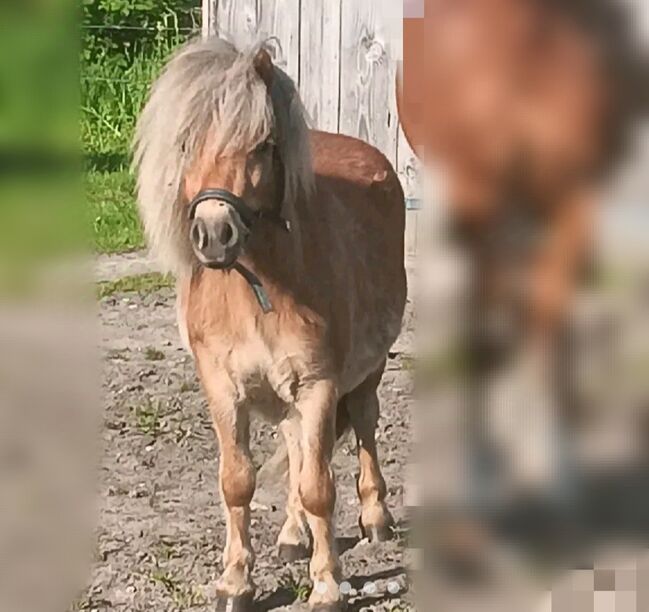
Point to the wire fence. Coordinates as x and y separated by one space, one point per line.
155 28
119 62
182 33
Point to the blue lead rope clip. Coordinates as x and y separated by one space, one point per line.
256 286
262 297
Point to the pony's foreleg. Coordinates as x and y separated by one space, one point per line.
362 405
237 483
317 406
293 541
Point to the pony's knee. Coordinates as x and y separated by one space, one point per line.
237 481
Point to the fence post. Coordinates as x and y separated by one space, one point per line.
209 17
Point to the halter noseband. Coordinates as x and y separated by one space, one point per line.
249 217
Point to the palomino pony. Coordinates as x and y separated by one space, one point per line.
520 104
288 249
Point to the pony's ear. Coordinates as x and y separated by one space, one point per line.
264 67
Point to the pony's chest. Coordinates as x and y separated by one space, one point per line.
266 378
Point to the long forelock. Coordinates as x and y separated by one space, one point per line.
209 101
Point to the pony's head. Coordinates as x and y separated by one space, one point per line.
221 143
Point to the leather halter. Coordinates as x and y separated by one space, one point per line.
249 217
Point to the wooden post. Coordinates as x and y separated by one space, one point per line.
209 17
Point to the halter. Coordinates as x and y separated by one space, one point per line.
249 217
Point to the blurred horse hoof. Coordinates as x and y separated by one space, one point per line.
377 534
239 603
289 553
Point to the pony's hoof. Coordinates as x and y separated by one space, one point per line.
238 603
289 553
377 533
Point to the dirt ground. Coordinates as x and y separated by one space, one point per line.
161 527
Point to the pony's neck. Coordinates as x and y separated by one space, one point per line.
278 254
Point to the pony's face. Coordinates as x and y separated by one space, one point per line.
232 190
220 226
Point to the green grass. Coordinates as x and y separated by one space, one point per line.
297 586
140 283
114 88
116 224
148 417
153 354
183 595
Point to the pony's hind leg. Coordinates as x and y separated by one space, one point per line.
293 542
362 406
234 588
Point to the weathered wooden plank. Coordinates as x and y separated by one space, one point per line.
320 61
279 20
409 170
238 20
368 106
343 55
208 25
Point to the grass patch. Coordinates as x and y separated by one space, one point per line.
114 88
111 201
183 595
148 418
299 588
153 354
140 283
189 386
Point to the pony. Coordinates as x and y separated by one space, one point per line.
523 106
287 246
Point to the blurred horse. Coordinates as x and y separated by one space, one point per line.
523 105
287 246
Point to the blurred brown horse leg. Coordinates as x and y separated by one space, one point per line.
535 422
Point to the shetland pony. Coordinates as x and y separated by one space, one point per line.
287 246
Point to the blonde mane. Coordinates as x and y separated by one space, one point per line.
209 100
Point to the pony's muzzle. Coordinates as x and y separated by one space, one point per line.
216 238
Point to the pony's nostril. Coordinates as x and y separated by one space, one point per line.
226 234
199 234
